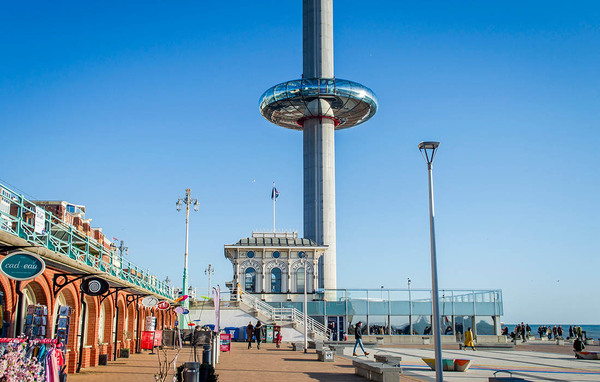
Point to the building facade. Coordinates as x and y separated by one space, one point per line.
277 266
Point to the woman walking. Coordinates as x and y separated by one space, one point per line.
249 334
258 333
358 338
469 340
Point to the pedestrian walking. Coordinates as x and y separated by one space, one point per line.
570 331
469 340
358 338
249 334
258 333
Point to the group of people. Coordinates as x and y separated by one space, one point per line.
254 331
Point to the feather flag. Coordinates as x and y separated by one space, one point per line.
274 193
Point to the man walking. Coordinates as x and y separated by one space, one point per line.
358 338
249 334
258 333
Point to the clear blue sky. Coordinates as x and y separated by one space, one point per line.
120 106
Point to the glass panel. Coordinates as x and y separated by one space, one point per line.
352 320
276 280
378 324
378 307
400 325
485 325
300 280
250 280
336 308
422 325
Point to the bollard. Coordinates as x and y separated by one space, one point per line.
206 354
191 372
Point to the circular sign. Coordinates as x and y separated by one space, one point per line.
94 286
22 266
179 310
163 305
150 301
186 311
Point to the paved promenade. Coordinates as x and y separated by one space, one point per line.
533 362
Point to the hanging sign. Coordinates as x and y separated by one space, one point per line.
22 266
39 223
94 286
163 305
179 310
149 301
186 311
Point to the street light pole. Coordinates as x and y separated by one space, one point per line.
183 320
429 149
410 323
209 271
304 261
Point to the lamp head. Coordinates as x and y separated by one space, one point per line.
428 149
178 204
196 205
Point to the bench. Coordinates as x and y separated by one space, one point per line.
491 346
298 346
389 359
338 349
325 355
376 371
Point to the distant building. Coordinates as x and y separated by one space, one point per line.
272 264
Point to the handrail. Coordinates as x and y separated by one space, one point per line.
284 314
65 239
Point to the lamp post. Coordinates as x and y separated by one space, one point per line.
123 250
410 325
429 149
209 271
302 255
183 320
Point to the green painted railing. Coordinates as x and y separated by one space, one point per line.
17 215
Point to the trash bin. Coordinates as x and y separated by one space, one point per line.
191 372
206 354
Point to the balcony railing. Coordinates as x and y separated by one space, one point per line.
17 216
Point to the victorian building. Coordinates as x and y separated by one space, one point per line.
276 265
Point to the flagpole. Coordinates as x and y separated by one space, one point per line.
274 197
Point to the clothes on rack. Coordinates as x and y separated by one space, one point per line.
42 359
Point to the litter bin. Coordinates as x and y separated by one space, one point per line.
206 354
191 372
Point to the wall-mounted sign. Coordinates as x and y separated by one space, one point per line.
22 266
149 301
94 286
163 305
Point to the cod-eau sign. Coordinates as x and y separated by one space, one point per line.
22 266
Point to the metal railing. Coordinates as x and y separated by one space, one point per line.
284 314
17 216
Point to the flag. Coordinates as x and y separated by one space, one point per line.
115 239
274 193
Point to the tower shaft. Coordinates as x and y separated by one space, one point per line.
318 139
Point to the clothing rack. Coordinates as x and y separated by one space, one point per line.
37 341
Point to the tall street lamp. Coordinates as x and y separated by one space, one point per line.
410 323
429 149
183 319
209 271
302 255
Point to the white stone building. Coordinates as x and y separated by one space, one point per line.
272 264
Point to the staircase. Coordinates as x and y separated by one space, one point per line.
282 315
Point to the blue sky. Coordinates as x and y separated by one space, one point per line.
120 106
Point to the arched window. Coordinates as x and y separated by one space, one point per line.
276 280
250 280
300 280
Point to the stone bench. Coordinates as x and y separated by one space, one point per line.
508 378
298 346
376 371
389 359
325 355
491 346
338 349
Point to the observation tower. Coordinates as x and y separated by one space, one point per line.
318 104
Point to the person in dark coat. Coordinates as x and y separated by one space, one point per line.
249 334
358 338
578 346
258 333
